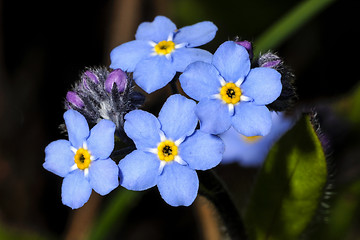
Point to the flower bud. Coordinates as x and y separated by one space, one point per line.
247 45
96 98
270 60
288 96
89 75
117 77
74 99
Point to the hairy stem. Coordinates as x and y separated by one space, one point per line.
213 189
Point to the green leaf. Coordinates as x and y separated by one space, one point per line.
289 24
290 186
345 208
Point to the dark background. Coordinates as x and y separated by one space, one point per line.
44 47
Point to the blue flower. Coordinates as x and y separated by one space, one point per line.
160 50
230 93
84 160
169 150
252 151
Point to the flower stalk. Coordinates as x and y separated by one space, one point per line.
213 189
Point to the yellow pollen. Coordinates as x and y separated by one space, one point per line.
230 93
82 158
252 139
164 47
167 150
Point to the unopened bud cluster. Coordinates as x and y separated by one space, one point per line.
288 96
103 94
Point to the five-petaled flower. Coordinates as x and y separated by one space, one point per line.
252 151
84 160
230 93
160 50
169 150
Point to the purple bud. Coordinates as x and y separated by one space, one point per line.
89 75
74 99
117 76
248 46
269 60
271 64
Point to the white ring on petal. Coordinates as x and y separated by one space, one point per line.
239 82
245 98
86 172
180 45
161 167
168 56
216 96
170 37
179 160
74 150
162 136
152 150
179 141
153 44
222 81
231 109
73 167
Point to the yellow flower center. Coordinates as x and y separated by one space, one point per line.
167 150
252 139
230 93
82 158
164 47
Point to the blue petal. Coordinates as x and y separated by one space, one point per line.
184 56
197 34
77 128
59 158
154 73
248 153
75 190
263 85
104 176
143 128
202 151
232 61
252 153
178 185
214 116
177 117
139 170
200 80
251 120
127 55
157 30
101 140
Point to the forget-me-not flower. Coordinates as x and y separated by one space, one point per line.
230 93
83 160
169 150
160 50
252 151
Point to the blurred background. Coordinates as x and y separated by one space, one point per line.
45 46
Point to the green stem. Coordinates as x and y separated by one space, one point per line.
114 214
288 24
213 189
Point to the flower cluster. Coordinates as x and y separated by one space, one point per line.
231 94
